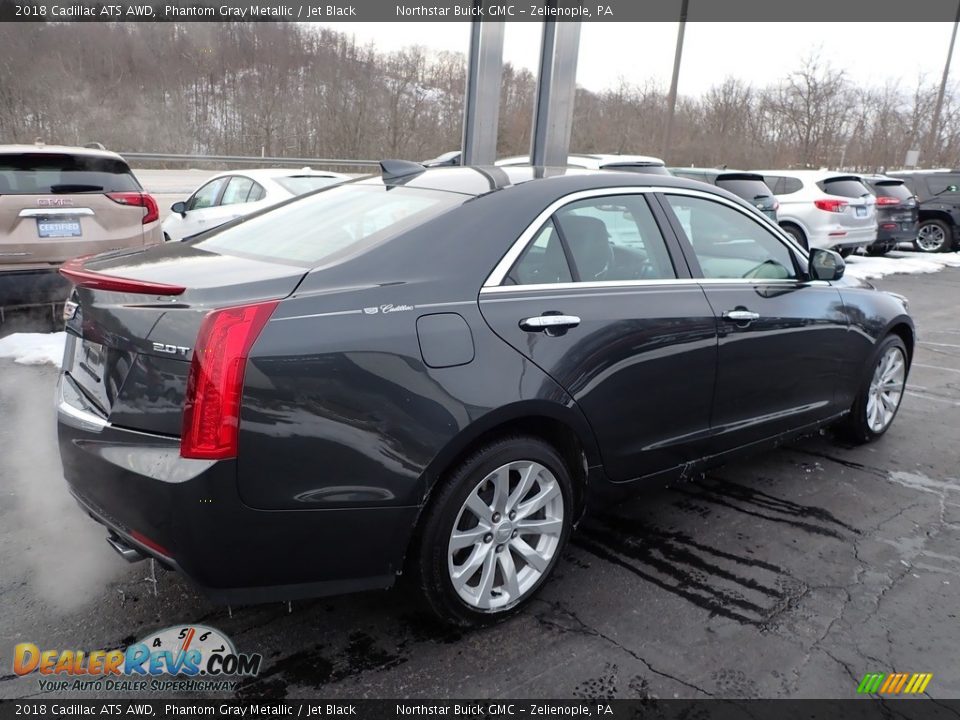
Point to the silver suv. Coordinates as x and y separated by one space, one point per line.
824 208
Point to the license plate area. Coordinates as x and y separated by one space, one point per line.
91 361
59 227
861 211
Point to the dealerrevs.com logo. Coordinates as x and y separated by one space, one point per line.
188 658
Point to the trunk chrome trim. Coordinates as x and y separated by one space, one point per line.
77 417
54 212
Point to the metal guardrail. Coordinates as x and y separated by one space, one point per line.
247 160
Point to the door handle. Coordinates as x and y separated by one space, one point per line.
549 323
740 315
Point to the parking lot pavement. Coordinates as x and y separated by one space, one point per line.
792 574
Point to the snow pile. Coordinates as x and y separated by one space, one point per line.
897 262
34 348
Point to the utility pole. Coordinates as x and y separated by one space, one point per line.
672 97
935 125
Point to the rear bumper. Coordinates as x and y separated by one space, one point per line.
188 515
32 287
903 232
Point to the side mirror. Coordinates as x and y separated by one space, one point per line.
826 265
180 208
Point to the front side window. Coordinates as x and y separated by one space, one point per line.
730 245
938 184
207 195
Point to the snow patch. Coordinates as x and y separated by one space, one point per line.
900 262
34 348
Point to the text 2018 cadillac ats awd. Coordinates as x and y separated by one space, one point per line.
436 371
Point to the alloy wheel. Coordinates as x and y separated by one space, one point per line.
886 389
506 535
931 238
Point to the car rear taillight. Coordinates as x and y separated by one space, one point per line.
138 199
887 201
831 205
211 414
776 204
74 271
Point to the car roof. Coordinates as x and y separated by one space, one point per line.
811 175
42 149
480 180
598 159
271 173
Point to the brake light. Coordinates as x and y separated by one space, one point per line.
831 205
138 199
887 201
74 271
211 414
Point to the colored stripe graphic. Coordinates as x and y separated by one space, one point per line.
894 683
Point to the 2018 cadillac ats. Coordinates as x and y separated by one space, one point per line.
436 371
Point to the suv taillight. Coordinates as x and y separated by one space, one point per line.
836 206
138 199
211 414
887 201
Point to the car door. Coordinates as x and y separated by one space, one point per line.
600 299
201 209
781 335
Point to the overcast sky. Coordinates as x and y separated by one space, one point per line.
760 53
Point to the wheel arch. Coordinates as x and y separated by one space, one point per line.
936 214
905 331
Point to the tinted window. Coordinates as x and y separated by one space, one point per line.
237 190
207 195
890 188
939 183
790 185
543 261
256 193
728 244
329 226
745 188
46 173
775 183
844 187
300 184
614 238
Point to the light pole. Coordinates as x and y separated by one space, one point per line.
935 124
672 97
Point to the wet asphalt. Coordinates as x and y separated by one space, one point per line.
788 575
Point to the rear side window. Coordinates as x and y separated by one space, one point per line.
939 183
776 183
844 187
543 261
330 226
300 184
52 173
745 188
237 190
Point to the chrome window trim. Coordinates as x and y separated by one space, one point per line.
494 281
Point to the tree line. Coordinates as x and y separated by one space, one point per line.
287 89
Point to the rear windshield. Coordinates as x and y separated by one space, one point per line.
50 173
648 169
888 188
300 184
745 188
844 187
332 225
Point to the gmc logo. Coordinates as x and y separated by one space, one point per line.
54 202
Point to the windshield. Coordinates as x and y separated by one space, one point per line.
894 189
746 188
331 225
51 173
300 184
844 187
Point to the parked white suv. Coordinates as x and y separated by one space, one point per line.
824 208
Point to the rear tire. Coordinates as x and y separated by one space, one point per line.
881 392
494 531
934 236
878 250
846 252
797 234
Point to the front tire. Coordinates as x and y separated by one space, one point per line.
934 236
881 392
495 530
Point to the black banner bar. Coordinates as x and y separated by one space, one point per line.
864 709
464 10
